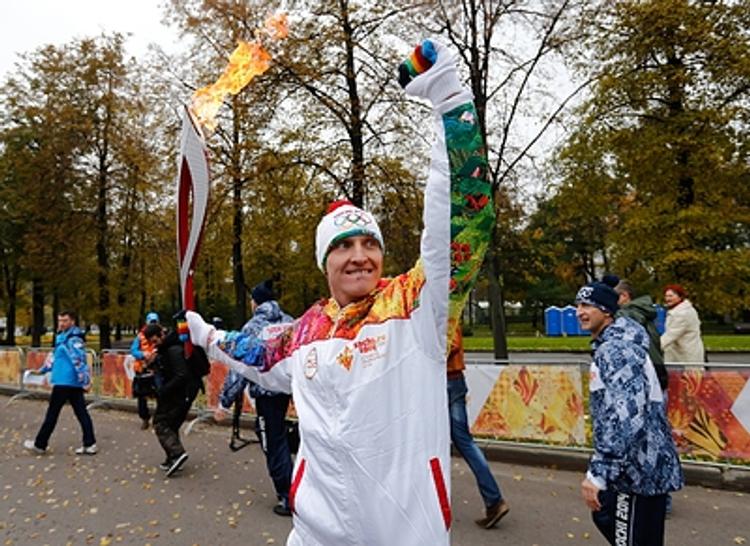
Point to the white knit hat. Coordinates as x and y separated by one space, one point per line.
343 220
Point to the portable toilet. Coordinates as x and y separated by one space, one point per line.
553 321
571 327
661 318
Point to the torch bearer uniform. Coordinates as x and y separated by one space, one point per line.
368 379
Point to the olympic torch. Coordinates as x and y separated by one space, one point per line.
248 60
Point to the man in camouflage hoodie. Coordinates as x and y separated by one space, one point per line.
635 463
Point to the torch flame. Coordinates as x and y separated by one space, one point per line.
248 60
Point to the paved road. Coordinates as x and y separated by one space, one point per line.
224 498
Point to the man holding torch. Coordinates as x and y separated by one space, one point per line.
366 366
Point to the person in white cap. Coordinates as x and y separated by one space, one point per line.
366 366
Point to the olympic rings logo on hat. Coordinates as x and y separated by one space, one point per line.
352 217
584 293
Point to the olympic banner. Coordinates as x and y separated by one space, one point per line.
214 383
116 375
10 366
35 359
710 412
529 403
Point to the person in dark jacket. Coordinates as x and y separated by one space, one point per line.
635 464
641 309
71 377
178 389
270 406
144 355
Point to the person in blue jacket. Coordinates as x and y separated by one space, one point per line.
71 377
635 463
144 354
270 406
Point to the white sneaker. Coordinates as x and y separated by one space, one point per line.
87 450
29 444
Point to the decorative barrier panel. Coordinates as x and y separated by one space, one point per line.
116 375
539 402
527 402
710 412
10 366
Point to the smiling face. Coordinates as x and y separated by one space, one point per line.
353 268
592 318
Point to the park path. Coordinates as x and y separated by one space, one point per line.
223 498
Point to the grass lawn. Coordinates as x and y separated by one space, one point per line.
482 341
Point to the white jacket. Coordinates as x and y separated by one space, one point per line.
369 380
681 341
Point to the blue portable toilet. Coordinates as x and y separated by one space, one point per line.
571 327
661 318
553 321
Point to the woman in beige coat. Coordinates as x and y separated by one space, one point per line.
681 341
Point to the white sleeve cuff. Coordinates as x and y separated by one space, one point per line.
598 482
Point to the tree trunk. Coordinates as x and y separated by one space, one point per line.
497 307
11 289
238 270
56 308
37 312
355 113
142 304
102 261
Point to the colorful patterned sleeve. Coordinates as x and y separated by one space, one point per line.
472 214
458 217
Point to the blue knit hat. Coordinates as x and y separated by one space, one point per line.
263 292
600 295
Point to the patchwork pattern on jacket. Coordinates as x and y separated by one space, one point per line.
633 447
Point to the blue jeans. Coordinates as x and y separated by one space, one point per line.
464 443
57 398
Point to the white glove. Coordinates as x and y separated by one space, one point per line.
200 330
440 81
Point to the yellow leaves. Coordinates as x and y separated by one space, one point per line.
739 540
105 541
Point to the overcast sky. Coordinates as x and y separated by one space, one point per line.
26 25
